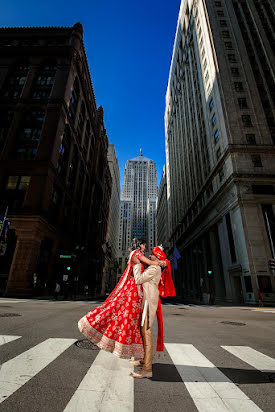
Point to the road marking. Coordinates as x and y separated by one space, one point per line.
263 310
254 358
19 370
12 301
107 386
7 338
209 388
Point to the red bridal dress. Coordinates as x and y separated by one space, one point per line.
115 325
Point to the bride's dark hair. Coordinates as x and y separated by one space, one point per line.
135 244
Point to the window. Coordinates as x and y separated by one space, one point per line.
214 119
238 86
223 23
216 136
248 284
204 64
225 34
242 103
250 138
218 153
206 77
29 137
264 283
220 13
18 182
5 122
246 119
218 3
232 58
44 81
228 45
256 160
202 53
235 71
15 81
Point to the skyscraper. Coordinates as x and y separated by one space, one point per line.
219 131
138 204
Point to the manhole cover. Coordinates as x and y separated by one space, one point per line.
8 315
86 344
233 323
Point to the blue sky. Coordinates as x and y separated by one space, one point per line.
129 47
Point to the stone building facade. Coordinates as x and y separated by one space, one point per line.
219 130
162 212
54 175
111 250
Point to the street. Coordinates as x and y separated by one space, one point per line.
208 364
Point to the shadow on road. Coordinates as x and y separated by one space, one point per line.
169 373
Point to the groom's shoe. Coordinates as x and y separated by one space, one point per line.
136 362
142 374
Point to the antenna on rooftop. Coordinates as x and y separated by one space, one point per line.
140 152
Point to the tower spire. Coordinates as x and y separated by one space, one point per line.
140 152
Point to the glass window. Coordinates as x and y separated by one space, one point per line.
211 104
242 103
218 3
250 138
246 119
238 86
216 136
223 23
232 58
214 119
24 182
206 77
218 153
256 160
225 34
235 71
12 182
228 45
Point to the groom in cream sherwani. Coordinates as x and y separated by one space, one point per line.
149 280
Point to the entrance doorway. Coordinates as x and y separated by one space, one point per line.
238 289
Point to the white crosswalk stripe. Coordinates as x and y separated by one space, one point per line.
7 338
19 370
254 358
209 388
107 386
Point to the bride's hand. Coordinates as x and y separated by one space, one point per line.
162 263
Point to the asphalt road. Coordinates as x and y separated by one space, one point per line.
207 365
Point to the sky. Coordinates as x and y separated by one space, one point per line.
129 47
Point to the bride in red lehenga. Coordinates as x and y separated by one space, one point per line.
115 325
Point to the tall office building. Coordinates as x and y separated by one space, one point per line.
111 245
138 205
54 175
162 212
220 137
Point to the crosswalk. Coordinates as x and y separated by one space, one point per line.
108 386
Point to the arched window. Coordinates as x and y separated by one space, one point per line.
74 98
44 81
16 80
30 133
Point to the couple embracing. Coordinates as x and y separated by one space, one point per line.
123 323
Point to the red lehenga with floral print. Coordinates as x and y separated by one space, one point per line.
115 325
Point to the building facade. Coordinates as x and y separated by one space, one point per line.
162 212
111 247
54 175
138 205
219 131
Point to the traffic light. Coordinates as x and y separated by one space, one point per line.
68 267
210 272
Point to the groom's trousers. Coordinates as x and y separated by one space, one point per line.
146 333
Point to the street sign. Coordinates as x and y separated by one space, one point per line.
65 256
